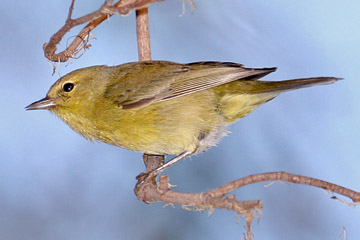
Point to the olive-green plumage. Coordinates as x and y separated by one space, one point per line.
160 107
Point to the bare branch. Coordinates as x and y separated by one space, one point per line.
287 177
94 19
143 35
70 10
149 191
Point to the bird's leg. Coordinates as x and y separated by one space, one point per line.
153 173
169 163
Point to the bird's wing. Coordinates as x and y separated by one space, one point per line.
144 83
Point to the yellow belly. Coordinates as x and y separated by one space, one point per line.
192 122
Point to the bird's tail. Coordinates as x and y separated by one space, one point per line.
287 85
246 95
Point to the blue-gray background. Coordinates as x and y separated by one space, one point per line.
56 185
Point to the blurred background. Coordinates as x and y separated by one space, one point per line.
56 185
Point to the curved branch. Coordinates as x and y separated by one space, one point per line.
94 19
287 177
148 191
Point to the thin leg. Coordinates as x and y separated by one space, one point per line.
169 163
152 174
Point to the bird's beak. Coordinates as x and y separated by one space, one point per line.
45 103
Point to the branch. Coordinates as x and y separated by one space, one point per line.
287 177
143 35
94 19
150 191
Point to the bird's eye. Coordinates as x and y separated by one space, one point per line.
68 87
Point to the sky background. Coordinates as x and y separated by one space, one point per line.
54 184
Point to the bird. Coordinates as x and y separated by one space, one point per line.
163 107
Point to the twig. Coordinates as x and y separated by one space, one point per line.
143 35
150 191
287 177
94 19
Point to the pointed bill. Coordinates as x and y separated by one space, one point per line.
45 103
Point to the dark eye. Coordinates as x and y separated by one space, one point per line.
68 87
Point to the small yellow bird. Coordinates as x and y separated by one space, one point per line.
161 107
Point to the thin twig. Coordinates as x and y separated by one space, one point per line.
150 191
143 35
287 177
197 198
94 19
70 10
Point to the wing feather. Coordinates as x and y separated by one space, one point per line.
144 83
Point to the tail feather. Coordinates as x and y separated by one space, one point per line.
247 95
287 85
